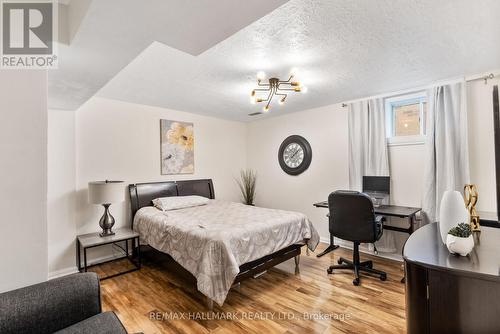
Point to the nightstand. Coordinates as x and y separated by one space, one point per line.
122 235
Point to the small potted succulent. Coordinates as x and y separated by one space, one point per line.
459 239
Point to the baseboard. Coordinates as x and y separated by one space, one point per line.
74 270
62 272
347 245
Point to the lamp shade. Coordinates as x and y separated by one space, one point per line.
106 192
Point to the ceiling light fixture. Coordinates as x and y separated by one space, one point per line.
275 87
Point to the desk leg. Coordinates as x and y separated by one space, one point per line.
329 249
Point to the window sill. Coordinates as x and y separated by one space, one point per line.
406 141
413 143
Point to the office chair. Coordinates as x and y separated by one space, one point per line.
352 218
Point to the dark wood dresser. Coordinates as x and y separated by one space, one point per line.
446 293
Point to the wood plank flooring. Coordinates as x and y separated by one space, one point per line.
276 302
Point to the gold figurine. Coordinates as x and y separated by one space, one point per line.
470 197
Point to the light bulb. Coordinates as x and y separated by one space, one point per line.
265 109
261 75
253 93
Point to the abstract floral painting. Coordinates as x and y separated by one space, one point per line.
177 147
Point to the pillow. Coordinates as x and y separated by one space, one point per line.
179 202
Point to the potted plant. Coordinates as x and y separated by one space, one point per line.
247 181
459 239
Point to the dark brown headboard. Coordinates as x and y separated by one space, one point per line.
143 194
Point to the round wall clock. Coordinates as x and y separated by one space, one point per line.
295 155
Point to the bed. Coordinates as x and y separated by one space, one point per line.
220 243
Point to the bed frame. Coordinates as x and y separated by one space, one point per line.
142 194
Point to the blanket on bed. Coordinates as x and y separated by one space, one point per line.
213 240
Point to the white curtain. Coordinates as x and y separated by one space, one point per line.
447 160
368 151
367 141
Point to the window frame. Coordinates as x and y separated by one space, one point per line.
402 100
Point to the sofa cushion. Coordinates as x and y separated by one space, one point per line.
103 323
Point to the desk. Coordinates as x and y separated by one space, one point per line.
404 212
446 293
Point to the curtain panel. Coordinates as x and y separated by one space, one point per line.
367 141
447 155
368 154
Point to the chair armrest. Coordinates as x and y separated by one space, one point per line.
50 306
380 219
379 226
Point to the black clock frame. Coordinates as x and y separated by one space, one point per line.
306 147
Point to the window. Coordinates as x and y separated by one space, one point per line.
405 119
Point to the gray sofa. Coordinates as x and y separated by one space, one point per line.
70 304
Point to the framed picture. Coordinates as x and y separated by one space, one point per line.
177 147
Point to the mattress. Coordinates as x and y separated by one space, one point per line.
211 241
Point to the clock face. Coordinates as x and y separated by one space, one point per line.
293 155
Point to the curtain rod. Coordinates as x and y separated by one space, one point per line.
471 78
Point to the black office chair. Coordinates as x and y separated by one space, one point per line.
352 218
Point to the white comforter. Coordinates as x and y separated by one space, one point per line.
213 240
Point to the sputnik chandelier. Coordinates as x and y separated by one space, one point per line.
275 87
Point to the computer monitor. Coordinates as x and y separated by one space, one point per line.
378 188
377 184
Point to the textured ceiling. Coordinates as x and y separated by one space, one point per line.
114 32
342 49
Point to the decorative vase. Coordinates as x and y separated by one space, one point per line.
452 212
457 245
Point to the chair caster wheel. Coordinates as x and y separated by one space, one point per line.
329 270
383 277
339 261
355 282
370 265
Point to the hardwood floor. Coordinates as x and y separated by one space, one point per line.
276 302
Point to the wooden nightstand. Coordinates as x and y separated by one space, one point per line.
122 235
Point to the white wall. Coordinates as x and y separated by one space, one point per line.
23 165
326 130
61 179
121 141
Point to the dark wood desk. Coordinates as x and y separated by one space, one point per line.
446 293
404 212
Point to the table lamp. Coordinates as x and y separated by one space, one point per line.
105 193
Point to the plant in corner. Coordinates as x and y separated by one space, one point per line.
459 239
247 181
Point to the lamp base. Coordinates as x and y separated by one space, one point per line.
106 233
106 222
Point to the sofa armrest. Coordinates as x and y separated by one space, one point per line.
50 306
